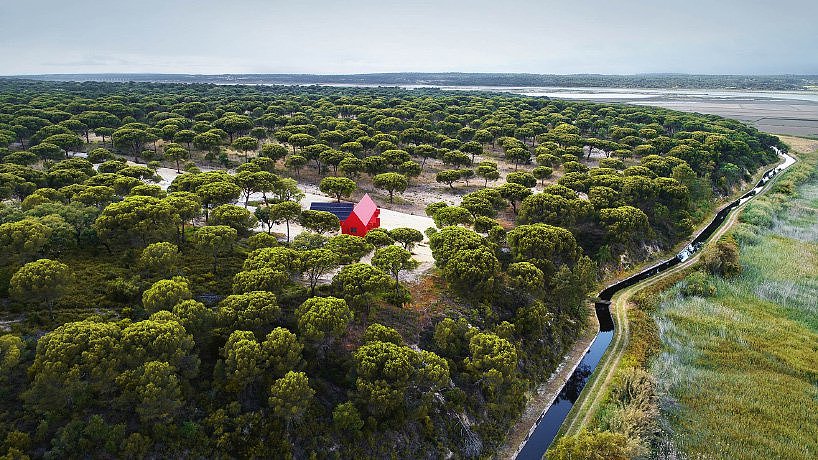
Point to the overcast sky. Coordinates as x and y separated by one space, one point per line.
313 36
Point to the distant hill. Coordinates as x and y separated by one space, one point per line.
746 82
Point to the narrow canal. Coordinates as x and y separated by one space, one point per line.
547 426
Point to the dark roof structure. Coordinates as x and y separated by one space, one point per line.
341 210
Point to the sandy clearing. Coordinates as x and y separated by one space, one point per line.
390 219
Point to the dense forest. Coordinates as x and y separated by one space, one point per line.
148 320
670 81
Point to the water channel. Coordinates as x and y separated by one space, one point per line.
548 424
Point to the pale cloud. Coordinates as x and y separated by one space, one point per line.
312 36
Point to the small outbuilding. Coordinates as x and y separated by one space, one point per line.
356 219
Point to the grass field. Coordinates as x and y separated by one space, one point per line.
738 371
621 397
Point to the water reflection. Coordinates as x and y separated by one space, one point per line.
573 387
549 423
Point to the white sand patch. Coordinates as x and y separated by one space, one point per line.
389 220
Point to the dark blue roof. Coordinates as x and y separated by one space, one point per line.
341 210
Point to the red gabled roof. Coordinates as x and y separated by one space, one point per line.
365 209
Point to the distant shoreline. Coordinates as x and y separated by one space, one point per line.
806 83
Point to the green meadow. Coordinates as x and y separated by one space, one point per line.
737 373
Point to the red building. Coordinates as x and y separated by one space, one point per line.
355 219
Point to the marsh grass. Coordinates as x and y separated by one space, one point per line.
737 373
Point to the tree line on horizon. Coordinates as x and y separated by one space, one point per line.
647 80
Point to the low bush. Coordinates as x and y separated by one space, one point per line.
697 284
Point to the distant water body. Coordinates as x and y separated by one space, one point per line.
593 93
660 94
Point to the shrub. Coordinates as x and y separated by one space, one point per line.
593 445
161 258
697 284
722 258
746 235
759 213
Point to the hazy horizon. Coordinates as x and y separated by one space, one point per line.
336 38
409 72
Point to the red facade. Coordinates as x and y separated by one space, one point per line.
364 217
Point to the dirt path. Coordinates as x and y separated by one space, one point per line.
596 389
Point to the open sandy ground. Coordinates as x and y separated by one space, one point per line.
390 219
